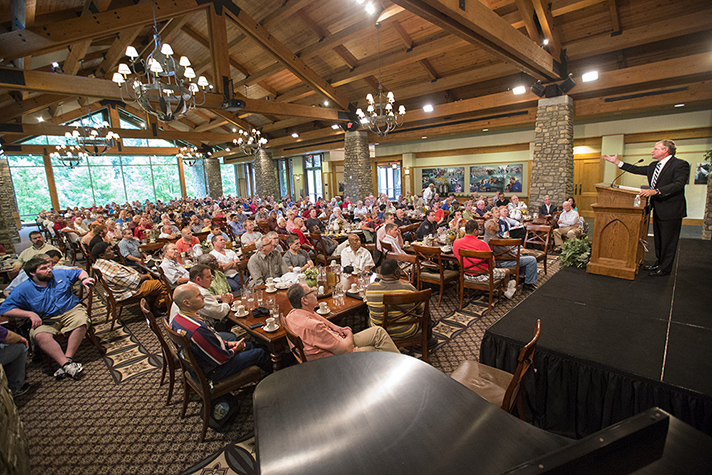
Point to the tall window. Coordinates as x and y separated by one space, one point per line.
286 177
228 172
30 183
312 170
389 180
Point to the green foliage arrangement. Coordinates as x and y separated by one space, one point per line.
576 252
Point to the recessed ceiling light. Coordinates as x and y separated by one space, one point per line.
589 76
370 8
326 103
360 2
295 135
227 149
679 105
546 41
423 137
428 108
519 90
234 129
485 130
40 119
335 126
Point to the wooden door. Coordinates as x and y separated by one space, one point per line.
587 172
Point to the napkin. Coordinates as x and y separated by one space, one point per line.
260 312
354 296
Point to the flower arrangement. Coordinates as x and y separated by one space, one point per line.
311 273
206 246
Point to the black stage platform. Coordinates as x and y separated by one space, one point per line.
611 348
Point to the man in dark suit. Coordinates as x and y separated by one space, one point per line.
667 177
547 209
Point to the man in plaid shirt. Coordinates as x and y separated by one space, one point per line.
126 282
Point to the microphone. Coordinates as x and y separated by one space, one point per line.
613 183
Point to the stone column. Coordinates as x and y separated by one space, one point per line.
357 166
8 209
213 177
197 172
266 174
553 161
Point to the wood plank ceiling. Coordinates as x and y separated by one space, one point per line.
304 65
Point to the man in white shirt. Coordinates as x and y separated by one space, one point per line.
381 231
359 210
428 193
250 236
175 273
228 261
516 208
392 235
356 256
568 225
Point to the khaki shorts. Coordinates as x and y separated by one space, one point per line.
65 322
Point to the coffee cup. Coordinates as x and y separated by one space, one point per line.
354 288
270 323
240 309
269 280
271 286
323 306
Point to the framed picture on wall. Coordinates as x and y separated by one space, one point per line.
494 178
701 172
446 180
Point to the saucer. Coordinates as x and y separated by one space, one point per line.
282 286
271 291
241 315
328 311
271 330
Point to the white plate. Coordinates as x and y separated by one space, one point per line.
282 286
271 291
328 311
276 327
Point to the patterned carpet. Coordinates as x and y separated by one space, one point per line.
94 425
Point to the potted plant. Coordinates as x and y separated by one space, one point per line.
576 252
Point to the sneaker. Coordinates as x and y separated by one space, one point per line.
60 374
21 392
72 369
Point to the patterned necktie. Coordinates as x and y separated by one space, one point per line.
655 174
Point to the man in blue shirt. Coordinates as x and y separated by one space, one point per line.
47 300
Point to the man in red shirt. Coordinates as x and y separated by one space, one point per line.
473 243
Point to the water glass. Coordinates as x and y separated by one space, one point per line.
260 298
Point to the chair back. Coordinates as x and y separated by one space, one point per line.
295 342
372 249
187 360
506 250
88 257
202 235
108 294
429 258
409 308
167 285
412 270
386 246
525 359
477 263
249 248
538 235
168 350
320 254
242 273
263 226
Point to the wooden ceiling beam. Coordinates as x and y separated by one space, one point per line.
286 123
479 25
53 36
306 136
219 53
429 70
526 10
372 81
295 65
546 20
31 105
190 31
116 51
346 55
403 35
210 125
615 16
311 24
255 77
76 54
287 9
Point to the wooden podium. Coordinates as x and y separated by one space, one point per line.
619 230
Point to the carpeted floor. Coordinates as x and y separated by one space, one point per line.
96 425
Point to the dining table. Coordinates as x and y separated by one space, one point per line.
276 341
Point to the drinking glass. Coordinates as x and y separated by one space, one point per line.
260 298
250 301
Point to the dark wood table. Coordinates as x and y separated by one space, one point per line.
384 413
277 341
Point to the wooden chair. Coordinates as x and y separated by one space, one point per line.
202 235
431 270
408 306
538 236
479 263
412 270
386 246
195 378
408 231
170 358
263 226
296 345
242 273
167 286
507 250
495 385
113 307
320 255
377 257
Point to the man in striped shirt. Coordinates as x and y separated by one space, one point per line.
219 359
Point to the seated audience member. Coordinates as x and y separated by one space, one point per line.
174 271
241 217
573 203
272 220
196 226
39 246
46 298
167 232
250 236
275 241
457 221
315 221
388 218
207 225
13 358
125 282
93 236
299 231
359 210
389 284
508 226
215 230
330 245
516 208
296 258
428 227
547 209
439 213
282 226
469 212
321 337
54 256
568 225
481 209
129 248
356 256
217 358
112 232
187 243
216 307
336 215
290 220
474 243
235 225
266 262
401 218
142 229
527 264
391 236
501 199
219 285
228 261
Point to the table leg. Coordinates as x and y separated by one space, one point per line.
276 360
